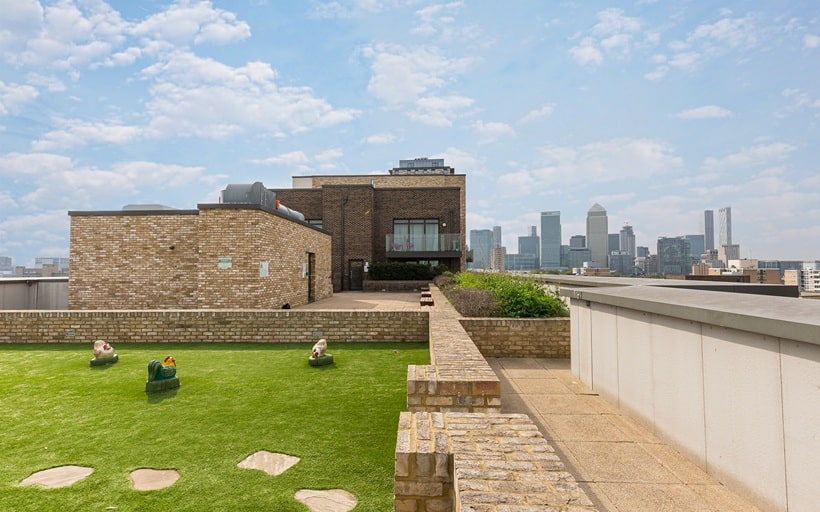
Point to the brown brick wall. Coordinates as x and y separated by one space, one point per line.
520 337
126 260
272 326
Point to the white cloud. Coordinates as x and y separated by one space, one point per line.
705 112
195 22
74 133
734 32
299 161
402 75
613 33
193 96
538 113
380 138
811 41
586 53
439 110
761 154
492 131
14 165
14 96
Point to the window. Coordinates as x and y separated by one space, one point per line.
415 234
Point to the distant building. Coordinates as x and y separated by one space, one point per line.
627 240
529 246
61 263
481 243
578 256
725 225
641 251
498 259
674 256
421 166
578 241
598 234
520 262
729 252
614 243
708 230
621 262
551 240
497 236
697 245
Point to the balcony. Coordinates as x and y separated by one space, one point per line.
423 246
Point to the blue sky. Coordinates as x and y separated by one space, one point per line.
656 110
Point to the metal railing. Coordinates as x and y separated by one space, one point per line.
450 242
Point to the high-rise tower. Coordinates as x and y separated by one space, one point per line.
598 235
708 229
725 223
551 239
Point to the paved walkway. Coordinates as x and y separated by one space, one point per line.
621 466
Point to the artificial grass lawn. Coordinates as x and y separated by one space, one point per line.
234 400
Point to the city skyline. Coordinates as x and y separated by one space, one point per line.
655 109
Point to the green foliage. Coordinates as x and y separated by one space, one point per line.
400 271
517 297
234 400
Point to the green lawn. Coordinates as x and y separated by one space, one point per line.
234 400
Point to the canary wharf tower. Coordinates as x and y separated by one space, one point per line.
598 235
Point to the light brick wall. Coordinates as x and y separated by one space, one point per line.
520 337
273 326
170 259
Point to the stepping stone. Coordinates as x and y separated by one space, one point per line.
60 476
269 462
152 479
331 500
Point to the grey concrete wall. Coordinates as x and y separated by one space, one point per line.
34 293
731 380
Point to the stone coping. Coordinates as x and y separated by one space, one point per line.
779 317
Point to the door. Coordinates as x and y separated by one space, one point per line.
356 268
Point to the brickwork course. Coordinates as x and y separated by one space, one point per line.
219 256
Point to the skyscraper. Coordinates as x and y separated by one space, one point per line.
725 223
674 255
551 239
598 235
627 244
481 242
696 245
708 229
529 245
497 236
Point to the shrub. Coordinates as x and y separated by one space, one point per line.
399 271
472 302
516 297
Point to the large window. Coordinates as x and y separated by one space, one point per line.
415 234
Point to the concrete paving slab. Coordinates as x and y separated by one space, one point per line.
687 471
620 462
542 386
331 500
648 497
61 476
585 427
147 479
269 462
557 404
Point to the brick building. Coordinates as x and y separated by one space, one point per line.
413 216
231 256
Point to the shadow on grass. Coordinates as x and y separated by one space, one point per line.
160 396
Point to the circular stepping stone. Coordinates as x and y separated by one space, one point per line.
269 462
60 476
152 479
331 500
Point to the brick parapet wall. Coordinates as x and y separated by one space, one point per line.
275 326
453 462
458 379
520 337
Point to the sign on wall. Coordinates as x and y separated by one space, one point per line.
224 262
263 269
